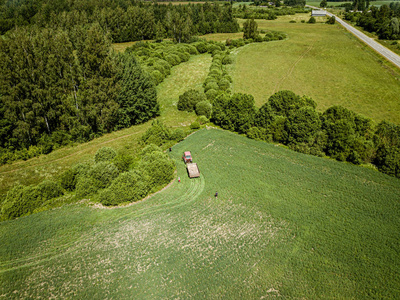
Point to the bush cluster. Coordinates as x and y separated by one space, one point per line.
159 134
24 200
158 58
155 169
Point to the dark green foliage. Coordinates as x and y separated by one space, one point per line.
204 108
302 125
68 179
257 133
203 120
178 135
103 173
295 3
23 200
311 20
138 97
106 154
127 187
157 134
387 140
236 112
123 161
189 99
195 125
150 149
158 167
250 29
331 20
86 186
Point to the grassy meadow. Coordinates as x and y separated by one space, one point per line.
322 61
284 225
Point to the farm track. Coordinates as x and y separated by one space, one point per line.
196 186
291 69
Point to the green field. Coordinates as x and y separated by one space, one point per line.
322 61
284 224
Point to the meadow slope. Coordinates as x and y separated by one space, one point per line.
284 224
322 61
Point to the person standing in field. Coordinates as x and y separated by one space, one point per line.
179 179
216 195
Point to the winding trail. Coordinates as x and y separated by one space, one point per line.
385 52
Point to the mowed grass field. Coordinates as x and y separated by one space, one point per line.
185 76
284 225
322 61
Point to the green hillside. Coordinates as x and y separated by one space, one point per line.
284 224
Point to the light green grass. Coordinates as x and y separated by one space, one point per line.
184 76
284 224
322 61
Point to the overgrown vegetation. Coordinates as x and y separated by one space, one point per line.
111 178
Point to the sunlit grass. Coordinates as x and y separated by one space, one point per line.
284 224
322 61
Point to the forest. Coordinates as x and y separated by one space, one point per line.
383 20
59 80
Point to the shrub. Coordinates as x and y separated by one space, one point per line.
150 149
213 47
189 99
178 135
311 20
85 186
204 108
105 154
157 77
292 21
227 60
211 85
195 125
201 47
203 120
224 84
172 59
157 134
23 200
158 167
127 187
123 161
103 173
331 20
211 94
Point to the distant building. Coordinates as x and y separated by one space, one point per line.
318 13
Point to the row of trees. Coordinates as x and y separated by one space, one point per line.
383 20
125 20
293 120
51 95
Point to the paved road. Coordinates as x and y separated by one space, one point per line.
385 52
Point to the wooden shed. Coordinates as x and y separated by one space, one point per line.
193 170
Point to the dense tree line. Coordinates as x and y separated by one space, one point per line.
267 13
51 95
383 20
293 121
124 20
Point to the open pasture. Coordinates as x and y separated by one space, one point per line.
284 224
322 61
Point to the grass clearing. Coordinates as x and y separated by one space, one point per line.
322 61
284 224
187 75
